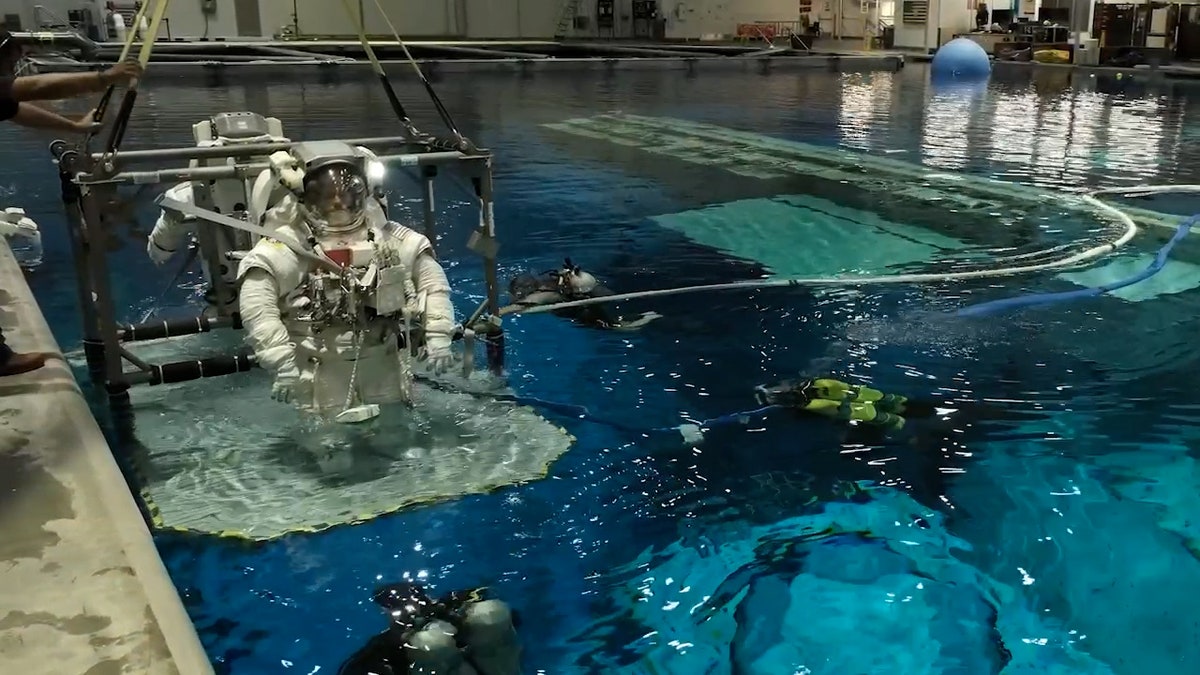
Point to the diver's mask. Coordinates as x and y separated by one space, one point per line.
335 198
792 393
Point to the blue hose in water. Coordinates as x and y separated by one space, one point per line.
1160 261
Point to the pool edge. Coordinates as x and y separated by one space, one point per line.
81 563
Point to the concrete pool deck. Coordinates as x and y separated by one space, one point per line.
82 588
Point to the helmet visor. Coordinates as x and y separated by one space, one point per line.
337 194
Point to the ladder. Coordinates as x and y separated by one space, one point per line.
566 20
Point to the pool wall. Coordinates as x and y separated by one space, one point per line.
83 586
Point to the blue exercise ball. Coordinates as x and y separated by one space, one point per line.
961 59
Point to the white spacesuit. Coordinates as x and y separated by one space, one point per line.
236 197
171 230
338 335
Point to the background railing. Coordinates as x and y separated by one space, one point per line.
766 30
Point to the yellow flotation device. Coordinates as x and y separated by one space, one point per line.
843 401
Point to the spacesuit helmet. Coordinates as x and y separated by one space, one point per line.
335 195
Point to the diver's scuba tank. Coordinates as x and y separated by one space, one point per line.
458 634
490 638
434 650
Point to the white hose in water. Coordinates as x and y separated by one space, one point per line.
1131 229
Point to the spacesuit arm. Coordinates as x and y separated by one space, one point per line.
259 308
269 272
429 279
172 228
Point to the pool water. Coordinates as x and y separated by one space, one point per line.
1043 524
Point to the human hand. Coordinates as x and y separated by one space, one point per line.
122 73
87 123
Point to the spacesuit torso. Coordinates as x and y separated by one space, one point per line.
352 332
336 298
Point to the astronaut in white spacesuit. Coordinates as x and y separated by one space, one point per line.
337 326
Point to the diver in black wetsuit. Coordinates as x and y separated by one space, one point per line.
460 634
568 284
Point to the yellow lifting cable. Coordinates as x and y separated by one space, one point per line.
461 142
148 38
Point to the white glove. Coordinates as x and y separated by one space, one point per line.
290 384
437 354
281 360
158 255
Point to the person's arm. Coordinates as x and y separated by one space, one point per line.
55 86
33 117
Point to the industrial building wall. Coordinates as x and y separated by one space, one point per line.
23 10
185 18
692 19
478 19
472 19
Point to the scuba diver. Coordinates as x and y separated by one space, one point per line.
878 413
459 634
336 312
568 284
847 402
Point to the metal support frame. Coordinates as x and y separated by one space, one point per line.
89 181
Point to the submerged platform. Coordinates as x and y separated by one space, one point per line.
67 54
83 588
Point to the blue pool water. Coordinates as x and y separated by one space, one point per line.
1047 526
